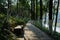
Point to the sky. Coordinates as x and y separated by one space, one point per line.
14 2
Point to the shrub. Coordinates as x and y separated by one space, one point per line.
11 21
2 16
6 35
20 22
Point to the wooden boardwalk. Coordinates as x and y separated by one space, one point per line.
33 33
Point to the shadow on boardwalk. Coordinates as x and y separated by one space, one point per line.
33 33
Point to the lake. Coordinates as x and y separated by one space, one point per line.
58 22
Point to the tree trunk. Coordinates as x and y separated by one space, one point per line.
50 16
36 9
41 13
17 8
45 18
33 9
56 16
8 10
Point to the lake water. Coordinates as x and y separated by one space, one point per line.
58 22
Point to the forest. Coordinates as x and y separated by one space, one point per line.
43 13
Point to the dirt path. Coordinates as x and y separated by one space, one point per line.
33 33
